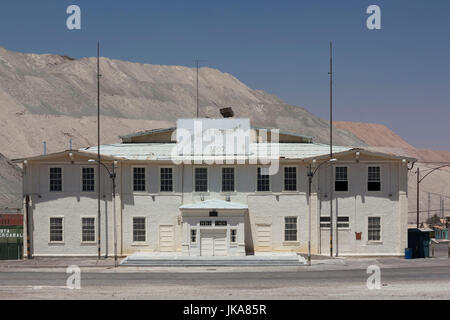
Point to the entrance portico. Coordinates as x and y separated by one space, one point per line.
213 228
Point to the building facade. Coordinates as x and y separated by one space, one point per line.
186 202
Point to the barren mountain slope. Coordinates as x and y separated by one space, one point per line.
43 94
10 184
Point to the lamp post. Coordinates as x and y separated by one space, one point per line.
419 180
310 177
112 175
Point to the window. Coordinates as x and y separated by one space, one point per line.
138 179
374 229
56 230
88 178
201 179
55 179
324 222
220 223
166 180
263 183
206 223
290 229
343 222
193 235
233 233
341 180
227 179
373 179
290 179
88 229
138 229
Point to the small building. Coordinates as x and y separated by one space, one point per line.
255 198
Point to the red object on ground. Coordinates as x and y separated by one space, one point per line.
11 219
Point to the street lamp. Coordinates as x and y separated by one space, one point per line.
112 175
419 180
310 177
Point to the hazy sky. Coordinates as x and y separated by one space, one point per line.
398 76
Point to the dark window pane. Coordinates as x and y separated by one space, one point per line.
263 183
341 186
201 179
227 179
55 179
138 179
290 179
166 180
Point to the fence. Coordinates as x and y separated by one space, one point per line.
11 242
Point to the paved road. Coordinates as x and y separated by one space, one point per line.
430 282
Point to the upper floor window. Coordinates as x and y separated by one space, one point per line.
290 178
233 235
56 179
88 179
56 229
166 179
263 181
138 179
341 179
201 179
290 229
374 179
227 179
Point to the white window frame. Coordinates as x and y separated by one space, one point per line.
174 180
334 178
221 179
146 179
139 243
194 243
233 243
95 229
297 227
62 178
63 230
381 178
256 180
207 179
296 178
381 231
81 179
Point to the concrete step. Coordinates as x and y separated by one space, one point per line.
177 260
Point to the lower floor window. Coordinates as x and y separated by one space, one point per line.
193 235
290 229
88 229
138 229
233 233
324 222
56 230
343 222
374 229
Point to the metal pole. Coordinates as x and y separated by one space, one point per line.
98 150
196 65
418 183
114 213
331 148
309 215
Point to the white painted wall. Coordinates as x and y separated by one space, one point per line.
264 208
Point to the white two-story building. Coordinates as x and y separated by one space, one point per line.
216 203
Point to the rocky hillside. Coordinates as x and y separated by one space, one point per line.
10 185
54 98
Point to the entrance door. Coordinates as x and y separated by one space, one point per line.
213 243
166 235
264 237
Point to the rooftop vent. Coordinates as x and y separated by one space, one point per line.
227 112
